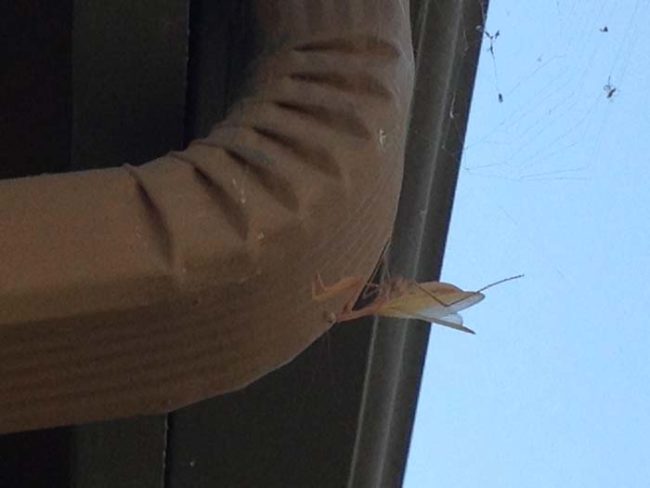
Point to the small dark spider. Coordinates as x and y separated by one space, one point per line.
609 89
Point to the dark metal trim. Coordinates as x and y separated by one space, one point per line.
447 44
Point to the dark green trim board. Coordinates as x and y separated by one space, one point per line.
129 67
35 86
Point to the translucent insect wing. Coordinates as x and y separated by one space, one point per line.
454 321
436 299
433 302
406 304
454 300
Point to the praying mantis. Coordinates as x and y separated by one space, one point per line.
431 301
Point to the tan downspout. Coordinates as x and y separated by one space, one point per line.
137 290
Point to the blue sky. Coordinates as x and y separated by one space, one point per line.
554 390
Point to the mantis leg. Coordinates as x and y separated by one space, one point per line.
321 292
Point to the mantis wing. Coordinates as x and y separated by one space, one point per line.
432 302
449 298
453 320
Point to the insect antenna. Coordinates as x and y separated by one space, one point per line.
499 282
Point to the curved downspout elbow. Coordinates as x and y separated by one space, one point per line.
138 290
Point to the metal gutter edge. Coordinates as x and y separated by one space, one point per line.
447 44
